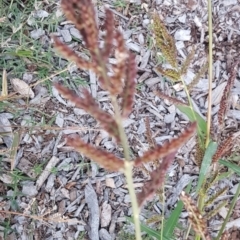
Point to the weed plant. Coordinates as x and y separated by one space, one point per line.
121 85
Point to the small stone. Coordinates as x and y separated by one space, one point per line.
36 34
66 35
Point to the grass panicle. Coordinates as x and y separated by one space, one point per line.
119 81
216 209
172 100
157 179
224 103
196 79
169 73
223 148
103 158
167 148
199 154
164 41
196 219
214 197
187 62
88 104
149 136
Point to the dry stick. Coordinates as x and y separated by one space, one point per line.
210 72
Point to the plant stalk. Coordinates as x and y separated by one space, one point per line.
127 162
210 71
128 169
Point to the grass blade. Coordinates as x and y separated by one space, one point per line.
232 166
190 114
207 160
172 221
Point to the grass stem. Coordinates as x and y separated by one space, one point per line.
210 71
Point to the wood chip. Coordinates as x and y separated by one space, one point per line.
44 175
92 202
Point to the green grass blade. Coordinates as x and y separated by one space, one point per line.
149 231
232 166
207 160
172 221
190 114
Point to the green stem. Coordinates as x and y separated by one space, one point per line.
128 169
210 71
229 213
127 163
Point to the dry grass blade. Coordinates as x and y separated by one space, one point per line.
89 105
157 179
198 223
172 100
224 147
103 158
164 41
225 98
129 87
4 92
166 149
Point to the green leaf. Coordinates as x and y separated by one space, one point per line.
224 175
194 116
151 232
172 221
207 160
232 166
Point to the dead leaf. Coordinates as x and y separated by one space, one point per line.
21 87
